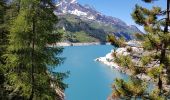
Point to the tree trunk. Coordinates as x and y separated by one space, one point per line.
164 44
32 59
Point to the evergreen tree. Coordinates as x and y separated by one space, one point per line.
29 62
3 44
157 37
3 32
157 40
134 88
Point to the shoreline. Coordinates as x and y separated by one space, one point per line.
65 44
108 60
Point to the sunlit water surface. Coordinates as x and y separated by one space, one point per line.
88 80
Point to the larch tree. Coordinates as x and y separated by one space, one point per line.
30 62
3 37
3 43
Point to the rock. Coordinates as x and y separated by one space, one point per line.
144 77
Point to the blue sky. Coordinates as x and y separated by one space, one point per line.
120 8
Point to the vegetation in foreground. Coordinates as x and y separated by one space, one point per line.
26 63
157 42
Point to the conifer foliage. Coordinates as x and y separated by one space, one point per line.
3 43
29 63
158 36
156 24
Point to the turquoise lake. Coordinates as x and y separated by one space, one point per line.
88 80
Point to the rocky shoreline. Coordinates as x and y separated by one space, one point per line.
109 59
138 51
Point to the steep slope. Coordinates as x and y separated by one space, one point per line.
74 25
77 19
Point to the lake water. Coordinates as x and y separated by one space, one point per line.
88 80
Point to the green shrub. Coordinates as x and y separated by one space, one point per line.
145 60
124 61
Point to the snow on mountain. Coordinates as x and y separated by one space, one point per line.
91 15
88 12
73 1
77 12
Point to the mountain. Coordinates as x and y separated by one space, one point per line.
86 22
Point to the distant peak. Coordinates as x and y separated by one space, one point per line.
69 1
73 1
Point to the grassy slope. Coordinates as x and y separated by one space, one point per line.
78 30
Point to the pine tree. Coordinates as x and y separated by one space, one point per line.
134 88
157 41
30 62
157 36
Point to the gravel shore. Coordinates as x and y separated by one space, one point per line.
63 44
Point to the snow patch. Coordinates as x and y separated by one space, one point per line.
73 1
78 13
91 17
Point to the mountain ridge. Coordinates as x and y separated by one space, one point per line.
71 11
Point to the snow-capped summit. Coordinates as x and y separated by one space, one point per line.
73 1
85 12
68 1
90 14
